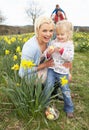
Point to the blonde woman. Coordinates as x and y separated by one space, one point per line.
33 49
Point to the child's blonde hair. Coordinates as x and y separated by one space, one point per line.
67 27
40 21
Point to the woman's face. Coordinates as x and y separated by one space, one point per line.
45 33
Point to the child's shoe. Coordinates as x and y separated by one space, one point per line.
70 115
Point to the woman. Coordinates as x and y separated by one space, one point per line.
33 49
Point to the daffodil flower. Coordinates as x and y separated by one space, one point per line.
7 52
64 81
15 57
17 84
18 49
27 64
15 67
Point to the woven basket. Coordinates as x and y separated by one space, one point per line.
52 111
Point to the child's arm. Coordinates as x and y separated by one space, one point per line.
69 65
70 72
68 53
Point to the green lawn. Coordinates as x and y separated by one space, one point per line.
79 86
12 118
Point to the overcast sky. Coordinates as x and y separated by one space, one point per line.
76 10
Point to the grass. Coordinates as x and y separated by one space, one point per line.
79 86
32 116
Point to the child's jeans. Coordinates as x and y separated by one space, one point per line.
62 79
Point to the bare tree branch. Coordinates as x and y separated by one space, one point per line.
34 11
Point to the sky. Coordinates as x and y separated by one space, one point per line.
14 11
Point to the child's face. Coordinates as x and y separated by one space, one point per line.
62 35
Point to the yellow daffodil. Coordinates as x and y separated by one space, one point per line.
17 84
15 67
7 40
64 81
24 40
27 64
13 39
15 57
18 49
7 52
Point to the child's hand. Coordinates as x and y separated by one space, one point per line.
70 77
57 49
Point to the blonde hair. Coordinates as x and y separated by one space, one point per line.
40 21
67 27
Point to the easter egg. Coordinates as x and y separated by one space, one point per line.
51 47
50 116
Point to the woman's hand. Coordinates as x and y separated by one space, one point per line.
46 64
49 63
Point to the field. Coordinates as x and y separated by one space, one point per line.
20 109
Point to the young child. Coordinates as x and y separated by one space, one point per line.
61 50
56 9
58 16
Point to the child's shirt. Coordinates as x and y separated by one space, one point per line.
60 58
55 10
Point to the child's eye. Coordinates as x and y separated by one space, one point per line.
51 30
44 30
61 34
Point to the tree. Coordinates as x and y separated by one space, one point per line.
2 18
34 11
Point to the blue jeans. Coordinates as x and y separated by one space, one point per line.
53 77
